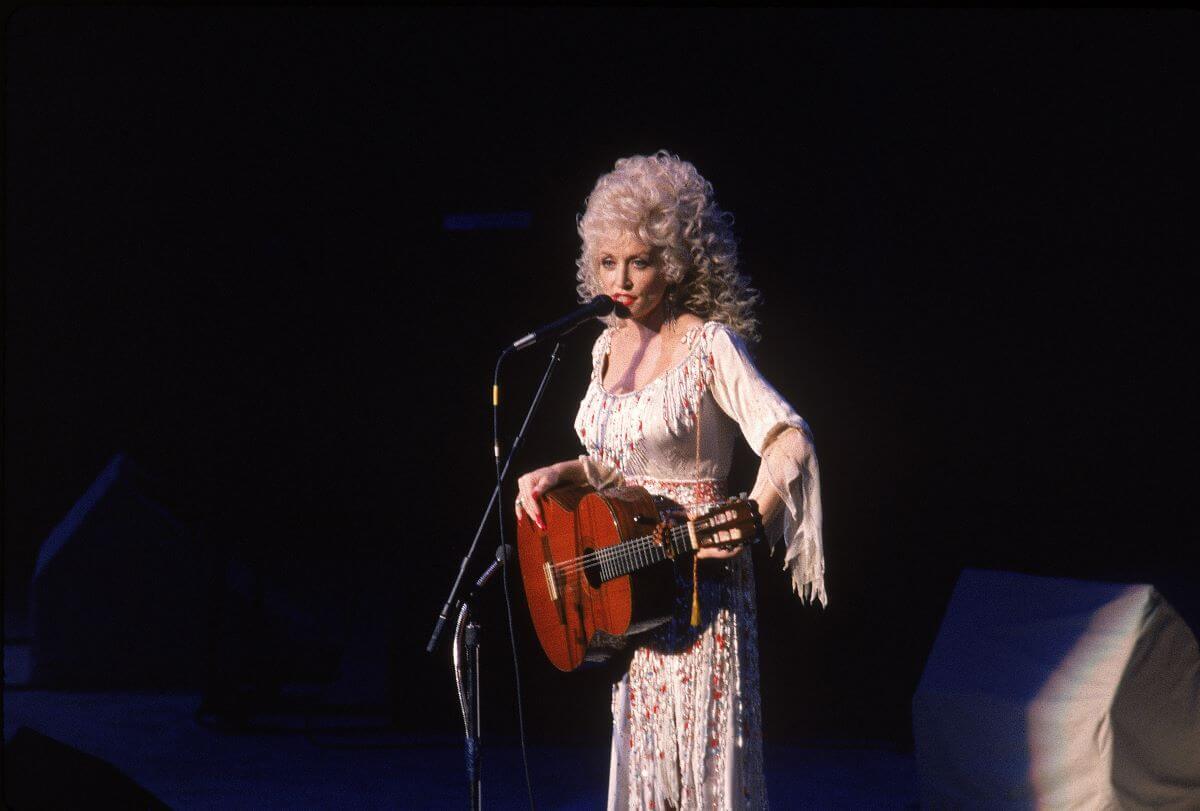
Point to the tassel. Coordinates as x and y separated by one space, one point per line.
695 558
695 593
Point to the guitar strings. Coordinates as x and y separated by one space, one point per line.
592 556
624 551
610 554
607 552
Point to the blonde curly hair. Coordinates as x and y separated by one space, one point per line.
665 202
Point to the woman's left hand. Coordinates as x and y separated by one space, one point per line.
723 536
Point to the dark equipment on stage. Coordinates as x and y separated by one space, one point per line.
127 595
119 591
1058 693
41 772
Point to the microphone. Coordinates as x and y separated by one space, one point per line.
503 553
599 306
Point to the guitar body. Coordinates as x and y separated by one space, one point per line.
580 616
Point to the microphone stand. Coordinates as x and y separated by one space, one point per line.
466 631
452 599
466 677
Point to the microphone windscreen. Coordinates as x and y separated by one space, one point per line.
603 304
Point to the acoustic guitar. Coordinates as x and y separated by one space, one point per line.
603 568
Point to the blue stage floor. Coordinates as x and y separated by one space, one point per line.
154 739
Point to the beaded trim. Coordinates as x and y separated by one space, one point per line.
692 495
609 426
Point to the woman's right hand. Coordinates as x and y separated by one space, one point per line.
530 488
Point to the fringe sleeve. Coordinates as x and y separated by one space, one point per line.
789 461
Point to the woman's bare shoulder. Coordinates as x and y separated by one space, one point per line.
687 321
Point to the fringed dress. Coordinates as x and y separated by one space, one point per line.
687 724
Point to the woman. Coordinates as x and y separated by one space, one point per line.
672 385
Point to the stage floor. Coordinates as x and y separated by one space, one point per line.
327 762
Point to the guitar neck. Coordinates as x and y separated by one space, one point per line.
638 553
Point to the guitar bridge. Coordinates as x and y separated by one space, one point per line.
551 580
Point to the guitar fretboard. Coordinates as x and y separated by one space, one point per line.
637 553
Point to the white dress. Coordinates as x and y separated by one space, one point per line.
687 727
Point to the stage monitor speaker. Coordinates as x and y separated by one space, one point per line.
1053 693
42 773
119 592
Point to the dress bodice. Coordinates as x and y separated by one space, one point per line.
671 429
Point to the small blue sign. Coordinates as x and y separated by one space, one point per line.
496 221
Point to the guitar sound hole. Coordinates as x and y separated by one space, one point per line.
592 570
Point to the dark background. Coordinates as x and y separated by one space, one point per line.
974 232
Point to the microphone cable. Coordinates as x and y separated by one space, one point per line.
512 637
